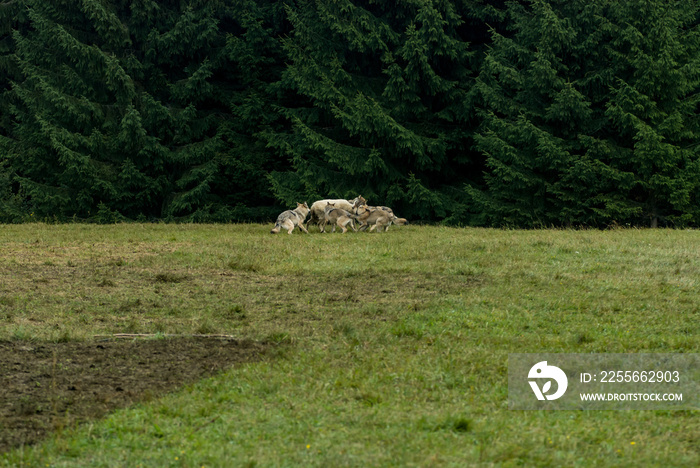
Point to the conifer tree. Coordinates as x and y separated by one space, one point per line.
535 108
61 111
386 108
251 88
76 109
128 106
12 17
562 133
653 106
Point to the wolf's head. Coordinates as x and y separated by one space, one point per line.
360 210
302 209
359 200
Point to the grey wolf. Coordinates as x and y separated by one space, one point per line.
340 217
292 218
317 210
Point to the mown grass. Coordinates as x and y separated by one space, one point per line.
393 346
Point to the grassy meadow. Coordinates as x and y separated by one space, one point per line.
391 349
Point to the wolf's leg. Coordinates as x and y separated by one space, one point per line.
320 221
373 227
288 225
302 228
343 223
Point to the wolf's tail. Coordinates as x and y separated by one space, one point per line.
276 229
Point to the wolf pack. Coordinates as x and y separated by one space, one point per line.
341 213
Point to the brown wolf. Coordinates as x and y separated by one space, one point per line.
317 210
394 218
292 218
379 217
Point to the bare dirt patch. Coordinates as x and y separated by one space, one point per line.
49 386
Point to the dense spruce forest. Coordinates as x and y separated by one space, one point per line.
529 113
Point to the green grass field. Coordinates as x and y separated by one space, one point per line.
391 348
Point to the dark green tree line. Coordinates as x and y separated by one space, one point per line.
590 115
384 107
134 109
524 113
12 18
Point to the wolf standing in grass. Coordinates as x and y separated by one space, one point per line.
380 217
291 218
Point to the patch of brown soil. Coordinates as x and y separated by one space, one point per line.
47 386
